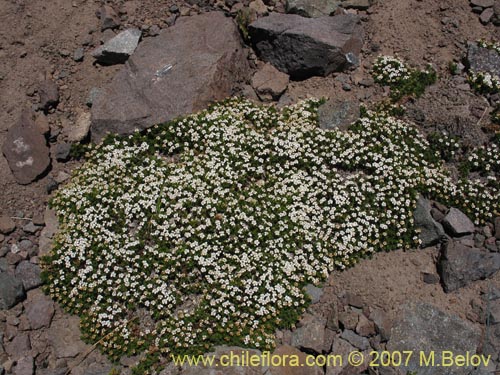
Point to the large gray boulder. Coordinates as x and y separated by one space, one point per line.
460 265
481 59
304 47
26 151
186 67
425 329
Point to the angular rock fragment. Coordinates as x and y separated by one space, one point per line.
310 336
186 67
270 83
424 328
305 47
431 232
108 17
29 274
26 151
460 265
457 223
49 95
117 50
11 291
312 8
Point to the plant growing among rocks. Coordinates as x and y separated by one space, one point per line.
401 78
205 230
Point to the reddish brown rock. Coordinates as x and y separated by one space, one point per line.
49 95
26 151
269 83
186 67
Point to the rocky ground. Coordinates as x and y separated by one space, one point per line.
62 75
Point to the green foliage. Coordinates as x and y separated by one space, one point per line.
402 79
205 230
244 18
443 145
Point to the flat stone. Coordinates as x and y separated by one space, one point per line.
305 47
64 337
108 17
25 366
348 319
29 274
486 16
48 232
312 8
31 228
173 74
482 3
460 265
269 83
310 335
118 49
7 225
430 278
355 340
457 223
62 151
42 124
423 327
354 300
342 348
338 114
39 309
365 327
19 346
79 54
49 95
357 4
382 323
431 232
26 150
93 94
80 129
11 291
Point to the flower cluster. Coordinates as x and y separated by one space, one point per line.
445 145
484 82
486 160
205 230
489 44
390 70
401 78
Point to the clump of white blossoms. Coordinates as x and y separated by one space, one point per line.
485 82
402 78
205 230
390 70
